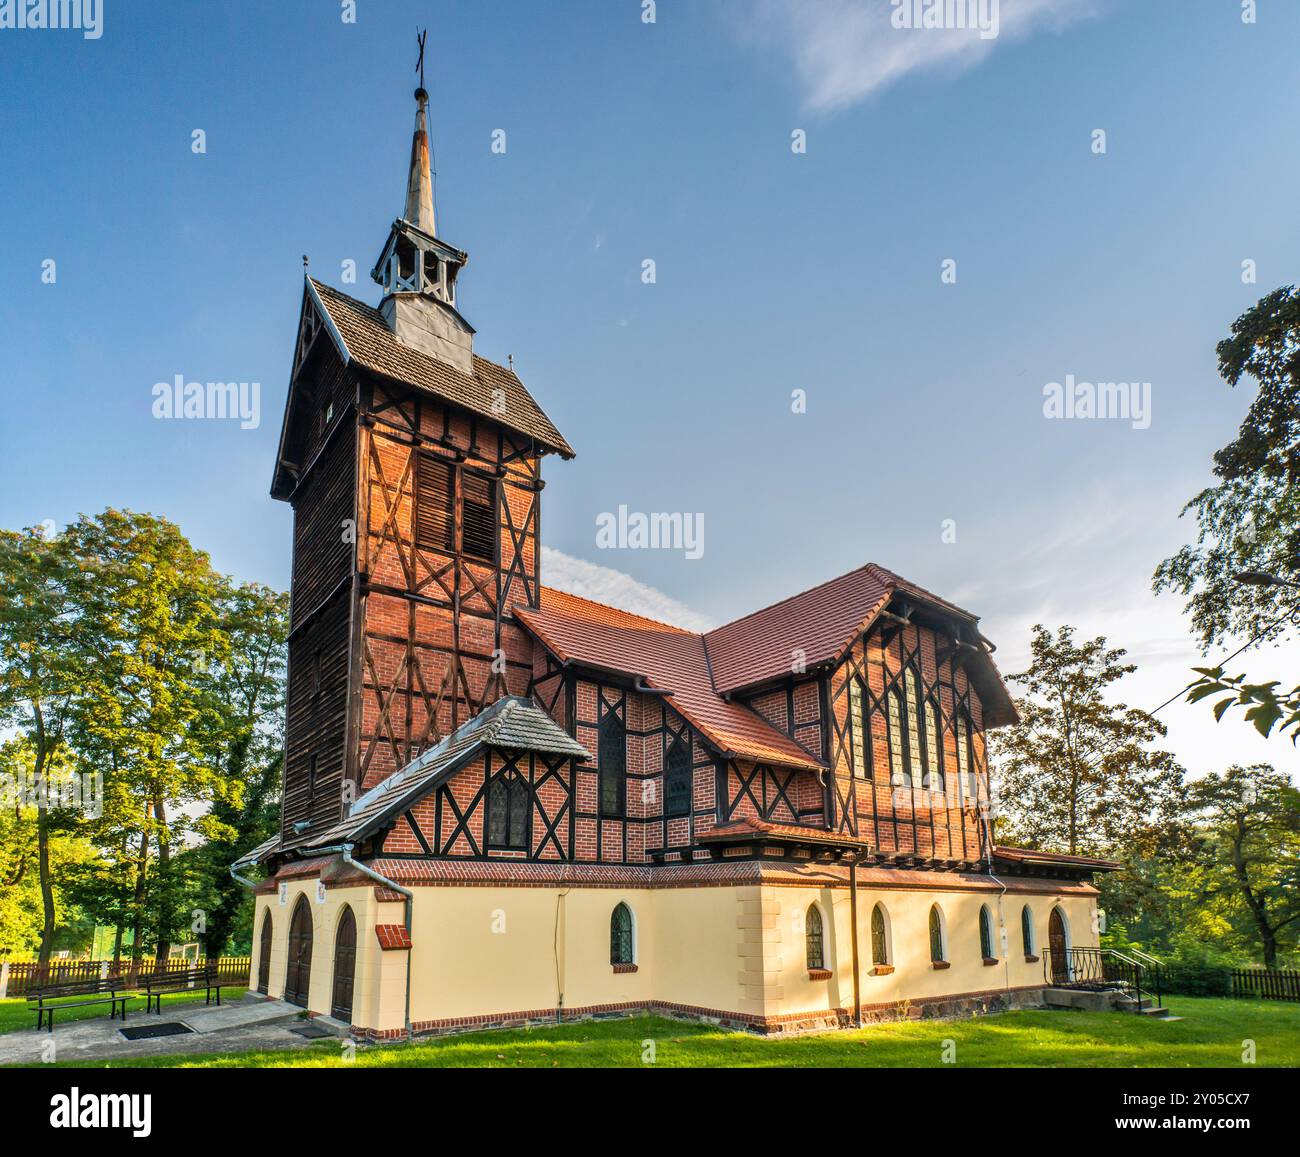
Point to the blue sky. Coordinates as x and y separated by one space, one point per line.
776 271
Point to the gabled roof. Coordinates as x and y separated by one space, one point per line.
669 659
1033 859
820 624
511 724
365 340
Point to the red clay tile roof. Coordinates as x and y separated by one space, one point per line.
757 829
1055 859
392 937
670 659
820 624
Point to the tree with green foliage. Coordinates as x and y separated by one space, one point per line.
1251 824
1077 774
243 737
152 601
1249 520
45 645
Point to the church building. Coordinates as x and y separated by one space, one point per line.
506 804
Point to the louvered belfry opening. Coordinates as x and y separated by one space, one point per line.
435 518
479 518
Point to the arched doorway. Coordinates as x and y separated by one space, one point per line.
345 963
1058 945
264 955
297 979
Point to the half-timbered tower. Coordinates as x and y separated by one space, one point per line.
505 802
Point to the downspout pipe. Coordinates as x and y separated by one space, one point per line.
407 906
1002 918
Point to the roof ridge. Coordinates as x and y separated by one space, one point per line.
380 317
800 594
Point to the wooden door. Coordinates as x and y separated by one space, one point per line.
345 963
264 957
1057 947
297 979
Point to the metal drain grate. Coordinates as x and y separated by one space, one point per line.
150 1031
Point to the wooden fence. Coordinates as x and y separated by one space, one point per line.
20 977
1266 983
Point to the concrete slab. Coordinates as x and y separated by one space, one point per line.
253 1023
211 1018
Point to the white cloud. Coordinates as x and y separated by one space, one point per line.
612 587
845 50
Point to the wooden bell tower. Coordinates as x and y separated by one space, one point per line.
414 469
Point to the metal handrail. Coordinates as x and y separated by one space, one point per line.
1098 968
1157 966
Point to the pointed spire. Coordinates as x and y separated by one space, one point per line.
419 185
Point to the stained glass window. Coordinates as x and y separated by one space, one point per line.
933 750
857 730
898 767
677 778
620 936
879 945
507 813
963 755
1027 929
936 935
813 934
913 703
613 765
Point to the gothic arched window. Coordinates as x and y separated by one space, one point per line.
813 935
879 936
936 936
622 942
986 933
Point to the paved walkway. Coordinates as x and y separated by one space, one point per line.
252 1023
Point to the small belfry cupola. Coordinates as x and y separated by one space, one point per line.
417 271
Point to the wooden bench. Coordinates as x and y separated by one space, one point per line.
49 998
157 983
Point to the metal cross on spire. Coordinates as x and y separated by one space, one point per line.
421 37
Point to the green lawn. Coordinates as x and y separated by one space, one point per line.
15 1014
1211 1035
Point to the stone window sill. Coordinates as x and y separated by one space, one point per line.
1030 959
882 970
940 964
819 974
622 968
990 961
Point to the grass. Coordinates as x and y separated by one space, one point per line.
1210 1036
15 1014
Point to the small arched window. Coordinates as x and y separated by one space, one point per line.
622 942
813 935
986 933
1027 930
879 936
936 935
